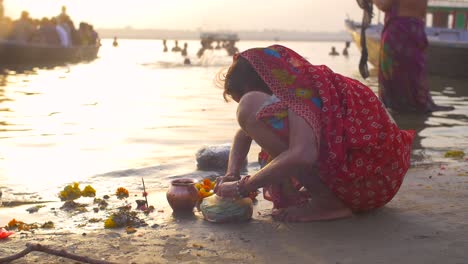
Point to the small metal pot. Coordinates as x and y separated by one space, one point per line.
182 195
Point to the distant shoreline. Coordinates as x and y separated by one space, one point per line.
278 35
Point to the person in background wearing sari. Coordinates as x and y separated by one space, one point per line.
403 85
329 147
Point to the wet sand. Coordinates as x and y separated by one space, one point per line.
425 223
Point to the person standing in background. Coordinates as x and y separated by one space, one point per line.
403 85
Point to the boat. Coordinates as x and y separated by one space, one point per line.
14 53
447 53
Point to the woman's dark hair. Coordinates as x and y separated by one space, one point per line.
240 75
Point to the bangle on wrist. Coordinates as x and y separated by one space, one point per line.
240 185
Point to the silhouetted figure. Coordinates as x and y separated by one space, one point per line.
176 48
184 51
63 15
333 52
231 48
218 46
115 43
345 50
23 29
165 45
187 61
6 26
47 33
87 34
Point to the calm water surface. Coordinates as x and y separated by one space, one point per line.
136 111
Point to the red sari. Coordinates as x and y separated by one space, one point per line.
363 155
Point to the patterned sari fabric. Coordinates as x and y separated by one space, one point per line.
363 155
402 73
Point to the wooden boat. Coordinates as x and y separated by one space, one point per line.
447 53
13 53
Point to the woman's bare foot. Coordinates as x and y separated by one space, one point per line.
312 211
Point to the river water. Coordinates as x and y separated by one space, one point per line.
139 112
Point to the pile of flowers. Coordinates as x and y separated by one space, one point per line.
20 226
457 154
125 217
72 192
205 188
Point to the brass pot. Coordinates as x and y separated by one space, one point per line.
182 195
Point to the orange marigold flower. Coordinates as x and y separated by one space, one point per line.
207 182
122 193
13 223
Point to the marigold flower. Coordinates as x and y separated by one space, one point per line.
110 223
207 182
203 193
122 193
12 223
70 192
88 191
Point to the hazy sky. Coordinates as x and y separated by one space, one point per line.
313 15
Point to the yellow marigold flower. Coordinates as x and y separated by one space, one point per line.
121 193
70 192
205 193
110 223
458 154
303 93
198 186
88 191
213 184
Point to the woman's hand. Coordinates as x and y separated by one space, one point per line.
226 178
228 189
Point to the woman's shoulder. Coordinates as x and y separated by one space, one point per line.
254 97
251 103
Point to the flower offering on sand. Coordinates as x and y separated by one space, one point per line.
220 210
205 188
457 154
121 193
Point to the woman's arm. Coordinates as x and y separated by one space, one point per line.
301 154
239 150
384 5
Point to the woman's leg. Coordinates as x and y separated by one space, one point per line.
323 205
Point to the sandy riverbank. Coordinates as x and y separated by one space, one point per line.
427 222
